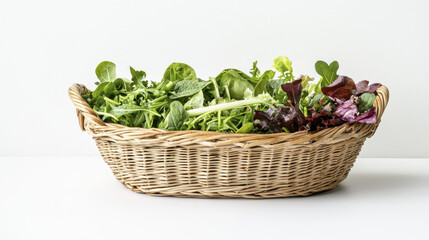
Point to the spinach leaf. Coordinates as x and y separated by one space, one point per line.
328 72
233 84
123 84
187 88
99 91
196 101
366 101
178 72
177 116
237 72
106 71
110 90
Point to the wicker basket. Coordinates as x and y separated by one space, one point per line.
230 165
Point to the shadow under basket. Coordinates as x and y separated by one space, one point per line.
226 165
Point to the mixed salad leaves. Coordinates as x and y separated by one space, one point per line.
233 101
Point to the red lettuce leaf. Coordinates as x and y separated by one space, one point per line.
273 121
293 91
293 119
369 116
289 117
341 93
363 87
347 111
321 120
266 121
342 88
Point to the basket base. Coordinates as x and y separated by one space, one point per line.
280 192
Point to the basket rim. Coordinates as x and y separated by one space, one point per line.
92 123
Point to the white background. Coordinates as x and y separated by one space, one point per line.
45 46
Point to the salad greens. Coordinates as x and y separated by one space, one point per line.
233 101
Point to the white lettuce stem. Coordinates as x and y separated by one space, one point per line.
224 106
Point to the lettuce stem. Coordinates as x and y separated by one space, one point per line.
261 99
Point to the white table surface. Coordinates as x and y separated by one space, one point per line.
78 198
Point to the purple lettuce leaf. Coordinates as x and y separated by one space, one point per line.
342 88
266 121
289 117
273 121
364 87
293 119
293 91
369 116
341 92
321 120
348 110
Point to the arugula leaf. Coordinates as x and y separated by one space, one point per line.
263 80
139 119
106 71
177 116
255 70
99 91
137 77
366 101
315 99
328 72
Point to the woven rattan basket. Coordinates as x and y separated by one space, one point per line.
212 164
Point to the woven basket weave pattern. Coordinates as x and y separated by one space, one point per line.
212 164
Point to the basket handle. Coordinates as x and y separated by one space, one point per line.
381 101
84 112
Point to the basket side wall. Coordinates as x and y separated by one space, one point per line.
195 171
